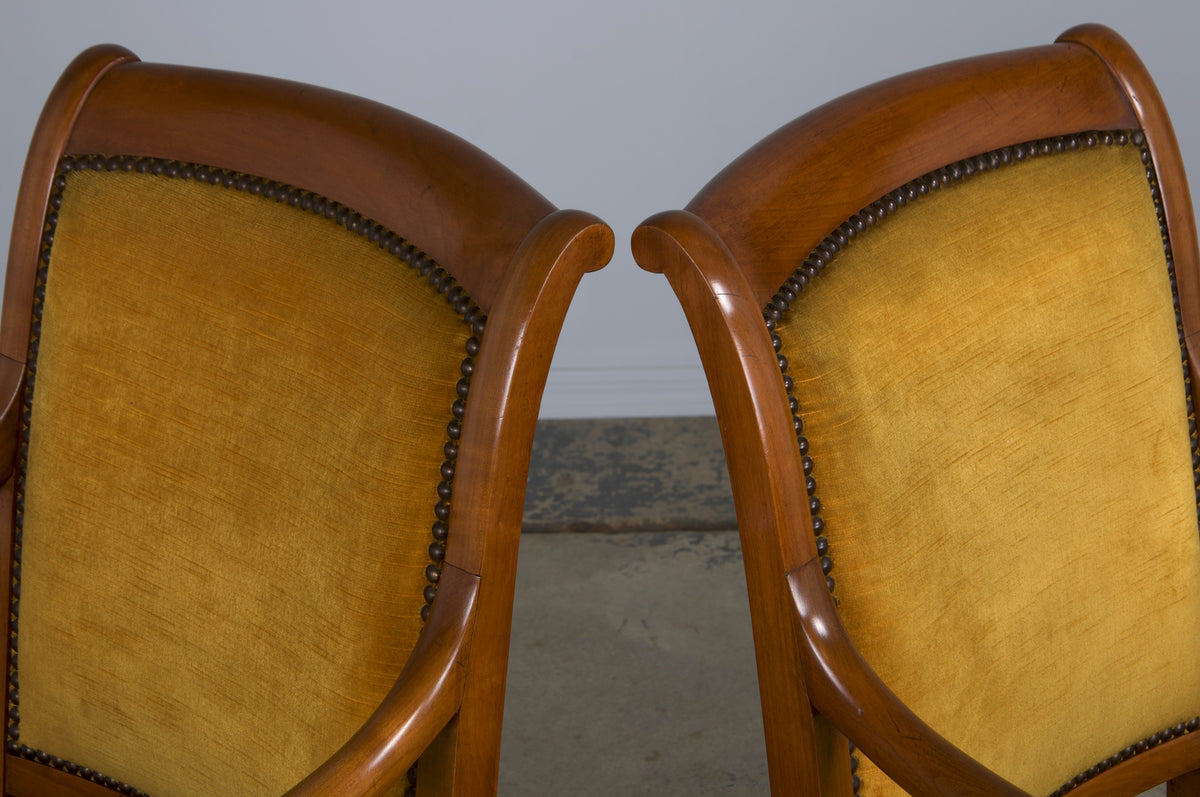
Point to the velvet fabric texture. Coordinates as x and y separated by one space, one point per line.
236 435
991 383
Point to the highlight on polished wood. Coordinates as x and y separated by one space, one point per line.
272 357
948 322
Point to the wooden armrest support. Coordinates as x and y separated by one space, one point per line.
522 329
848 692
757 431
424 699
12 383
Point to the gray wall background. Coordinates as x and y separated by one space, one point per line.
622 107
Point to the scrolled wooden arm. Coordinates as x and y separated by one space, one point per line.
12 384
421 703
846 690
757 433
522 328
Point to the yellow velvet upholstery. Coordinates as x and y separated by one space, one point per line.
991 385
237 429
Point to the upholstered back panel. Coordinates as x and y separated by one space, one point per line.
991 386
236 439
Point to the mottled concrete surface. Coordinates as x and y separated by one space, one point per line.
628 474
632 669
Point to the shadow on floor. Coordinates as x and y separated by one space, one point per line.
632 669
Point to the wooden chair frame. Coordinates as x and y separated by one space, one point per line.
519 259
728 252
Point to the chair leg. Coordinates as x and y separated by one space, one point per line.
1185 785
833 754
437 767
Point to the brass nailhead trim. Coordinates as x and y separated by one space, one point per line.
438 279
1182 729
882 209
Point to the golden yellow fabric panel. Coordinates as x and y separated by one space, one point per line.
239 416
992 388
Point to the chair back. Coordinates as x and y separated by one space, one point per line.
249 338
962 436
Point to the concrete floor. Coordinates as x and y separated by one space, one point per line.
632 669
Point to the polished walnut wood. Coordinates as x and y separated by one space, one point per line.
1185 786
520 260
1152 116
728 252
731 337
